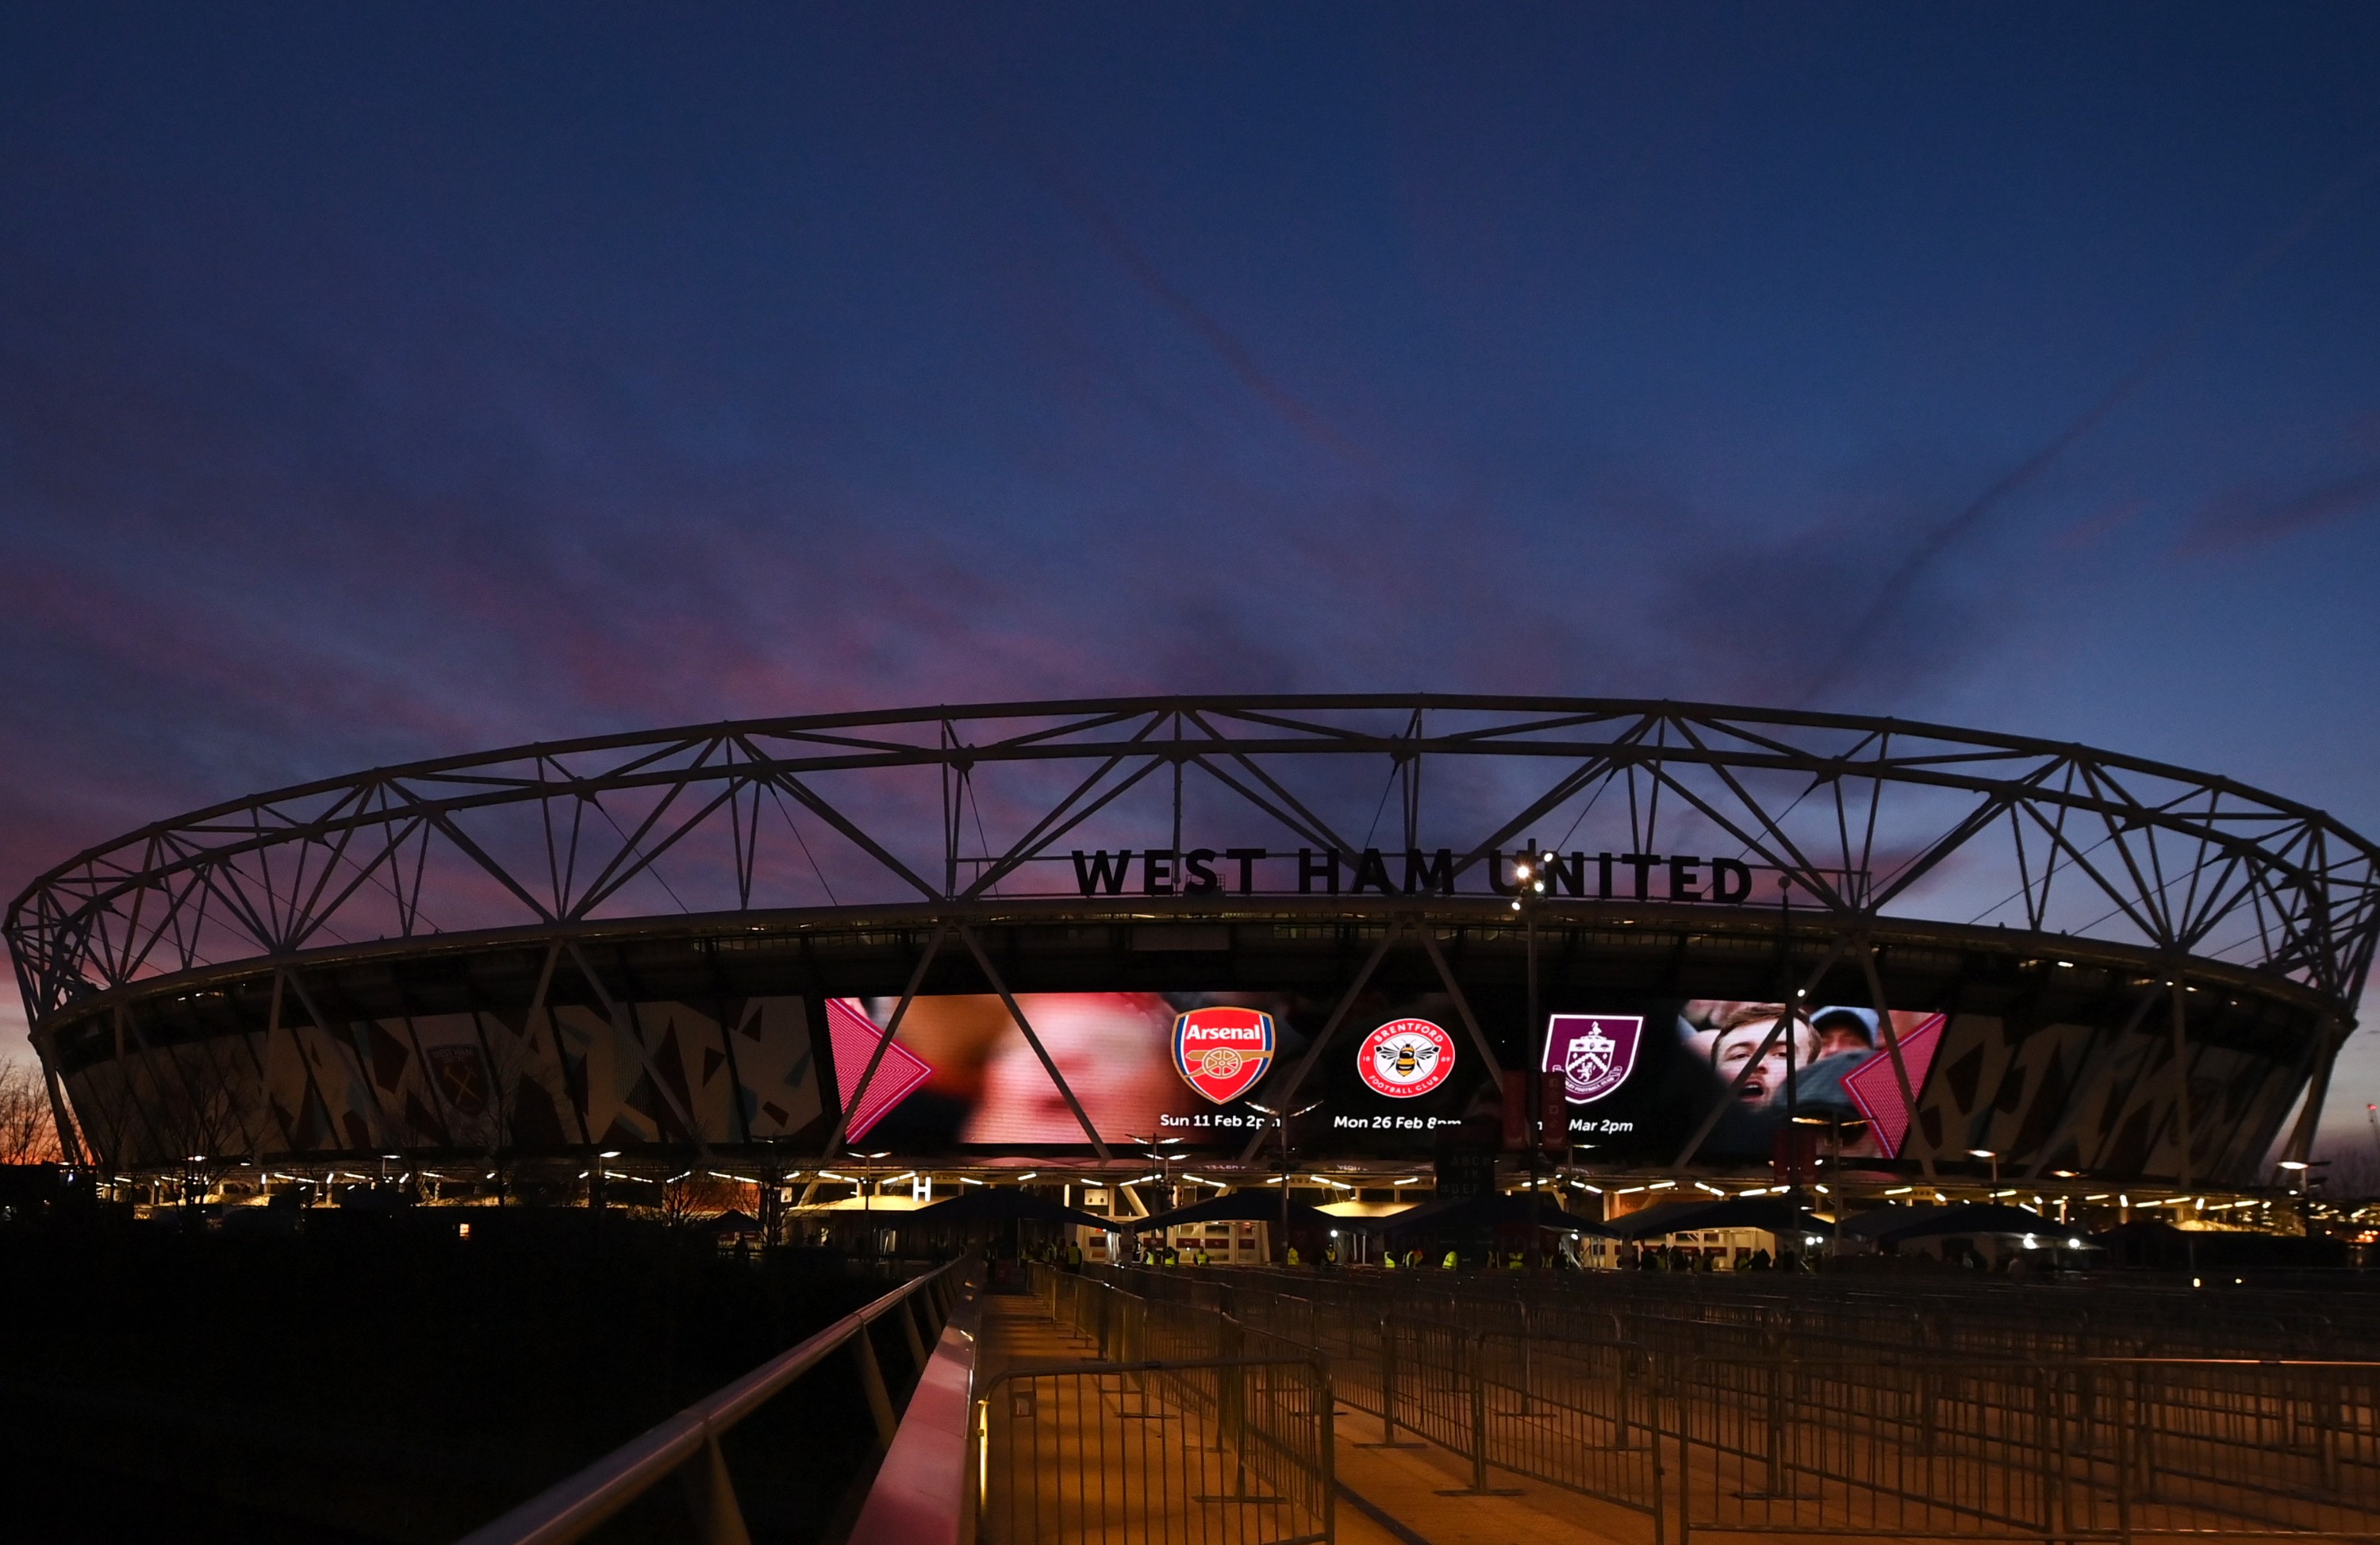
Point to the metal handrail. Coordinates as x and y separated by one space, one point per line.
573 1508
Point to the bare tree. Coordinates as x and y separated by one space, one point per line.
28 1132
697 1195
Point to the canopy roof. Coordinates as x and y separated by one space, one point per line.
1886 1217
1979 1217
1456 1214
1242 1206
1772 1213
997 1204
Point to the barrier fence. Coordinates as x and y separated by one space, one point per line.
1190 1427
1771 1415
2099 1320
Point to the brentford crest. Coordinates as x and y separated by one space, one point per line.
1222 1052
1406 1057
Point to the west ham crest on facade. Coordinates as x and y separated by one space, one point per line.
461 1078
1594 1053
1222 1052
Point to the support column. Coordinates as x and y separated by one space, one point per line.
70 1148
2181 1074
1287 1094
622 1019
1048 1064
1892 1047
2100 1052
876 1059
2317 1091
1463 1004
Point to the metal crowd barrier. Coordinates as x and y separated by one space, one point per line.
1767 1413
1189 1427
1981 1320
687 1444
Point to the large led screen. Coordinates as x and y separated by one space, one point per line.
1400 1075
960 1073
1641 1079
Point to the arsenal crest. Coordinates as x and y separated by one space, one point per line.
1222 1052
1594 1053
1406 1057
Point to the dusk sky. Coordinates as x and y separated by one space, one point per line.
378 382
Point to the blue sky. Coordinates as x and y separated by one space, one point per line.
381 382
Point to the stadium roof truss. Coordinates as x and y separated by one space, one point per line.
1860 818
962 812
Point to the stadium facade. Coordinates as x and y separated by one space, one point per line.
1380 933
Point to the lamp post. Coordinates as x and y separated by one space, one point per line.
1530 874
1992 1154
868 1202
596 1178
1164 1163
1281 1124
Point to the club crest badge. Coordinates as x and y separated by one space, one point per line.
1594 1053
1405 1058
1222 1052
460 1076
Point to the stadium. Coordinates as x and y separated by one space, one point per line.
1365 949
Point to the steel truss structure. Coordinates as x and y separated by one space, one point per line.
1413 808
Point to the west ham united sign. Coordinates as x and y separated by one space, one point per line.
1406 1057
1222 1052
1594 1053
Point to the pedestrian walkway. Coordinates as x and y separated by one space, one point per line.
1387 1495
1410 1483
1016 1329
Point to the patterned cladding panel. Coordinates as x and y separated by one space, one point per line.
650 1073
2063 1096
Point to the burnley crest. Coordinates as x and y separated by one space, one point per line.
1594 1053
1222 1052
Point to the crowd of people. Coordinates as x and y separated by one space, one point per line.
1664 1258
